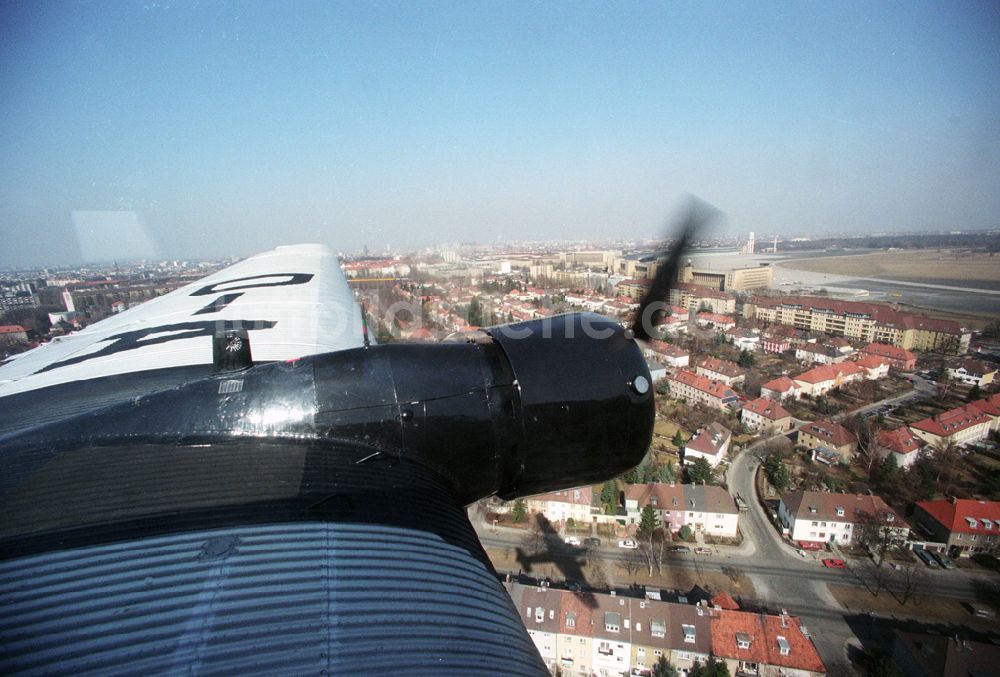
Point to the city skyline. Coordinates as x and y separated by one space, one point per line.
221 131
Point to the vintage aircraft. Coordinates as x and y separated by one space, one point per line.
232 478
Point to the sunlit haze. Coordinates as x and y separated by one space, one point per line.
227 129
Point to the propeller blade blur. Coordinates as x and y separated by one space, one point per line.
697 214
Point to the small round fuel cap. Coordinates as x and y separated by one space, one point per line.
640 384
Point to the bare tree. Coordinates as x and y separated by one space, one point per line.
866 430
875 534
632 561
534 538
909 580
946 457
732 573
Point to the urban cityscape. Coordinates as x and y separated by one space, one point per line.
824 458
578 339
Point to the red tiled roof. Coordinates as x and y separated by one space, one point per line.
725 627
891 352
900 440
802 654
802 503
781 384
669 349
955 516
818 374
769 409
11 329
715 318
828 372
828 431
952 421
871 362
880 313
724 367
566 496
989 405
713 388
705 441
724 600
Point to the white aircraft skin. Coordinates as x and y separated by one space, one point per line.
297 303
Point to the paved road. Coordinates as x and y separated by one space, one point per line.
780 575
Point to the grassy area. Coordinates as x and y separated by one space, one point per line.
602 574
913 266
924 607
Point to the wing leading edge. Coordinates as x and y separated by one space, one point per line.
294 301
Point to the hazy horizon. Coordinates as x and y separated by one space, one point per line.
198 131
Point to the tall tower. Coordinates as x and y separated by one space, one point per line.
748 248
774 249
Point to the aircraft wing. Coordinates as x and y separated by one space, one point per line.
160 513
294 301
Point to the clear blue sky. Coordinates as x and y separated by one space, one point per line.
231 128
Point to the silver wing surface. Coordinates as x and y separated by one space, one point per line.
160 515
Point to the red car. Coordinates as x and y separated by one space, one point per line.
833 563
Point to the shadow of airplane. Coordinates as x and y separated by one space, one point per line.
569 562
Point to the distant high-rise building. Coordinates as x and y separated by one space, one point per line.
748 247
774 249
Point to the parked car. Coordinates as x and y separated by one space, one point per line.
942 560
834 563
571 540
628 544
592 542
679 548
703 551
926 558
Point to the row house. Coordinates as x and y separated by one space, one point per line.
765 416
871 322
719 321
966 526
821 517
673 323
700 297
14 333
901 443
705 508
559 506
961 426
991 407
825 434
701 390
781 389
610 634
725 371
763 644
668 354
973 372
744 339
635 289
710 443
773 343
900 358
832 352
874 367
592 302
820 380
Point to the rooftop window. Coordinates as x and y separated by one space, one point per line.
783 646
